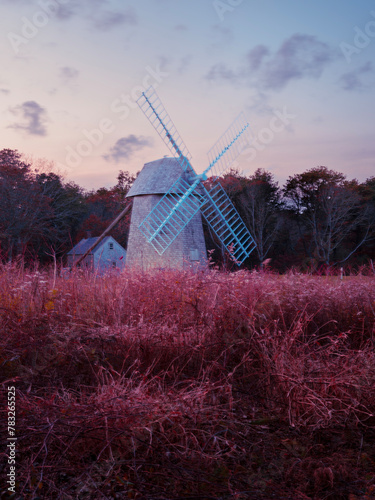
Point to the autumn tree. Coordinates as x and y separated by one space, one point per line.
38 212
66 209
328 209
125 181
103 205
23 214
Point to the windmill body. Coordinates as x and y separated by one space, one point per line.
170 198
188 249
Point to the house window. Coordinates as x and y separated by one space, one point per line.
111 246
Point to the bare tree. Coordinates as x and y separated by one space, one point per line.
260 206
338 213
331 209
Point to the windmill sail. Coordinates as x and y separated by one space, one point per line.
230 145
224 220
157 115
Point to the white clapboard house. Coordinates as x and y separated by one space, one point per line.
107 255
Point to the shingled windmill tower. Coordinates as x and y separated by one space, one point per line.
169 200
188 249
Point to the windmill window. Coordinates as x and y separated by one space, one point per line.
111 246
194 254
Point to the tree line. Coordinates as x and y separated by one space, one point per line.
43 217
318 218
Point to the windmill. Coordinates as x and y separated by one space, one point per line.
169 199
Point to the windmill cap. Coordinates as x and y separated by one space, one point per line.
157 177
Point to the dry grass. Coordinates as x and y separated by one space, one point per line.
172 385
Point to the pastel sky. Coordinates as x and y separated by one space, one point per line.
302 71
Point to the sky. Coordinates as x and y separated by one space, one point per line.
303 72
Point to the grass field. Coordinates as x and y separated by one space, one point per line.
170 385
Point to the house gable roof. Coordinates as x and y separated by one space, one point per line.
85 244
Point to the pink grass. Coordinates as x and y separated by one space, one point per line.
125 381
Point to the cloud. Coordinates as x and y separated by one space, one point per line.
68 73
221 34
96 12
222 72
78 7
107 20
61 12
181 27
101 15
351 80
66 12
125 147
33 118
299 56
184 64
256 56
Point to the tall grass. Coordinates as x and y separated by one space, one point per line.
170 384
